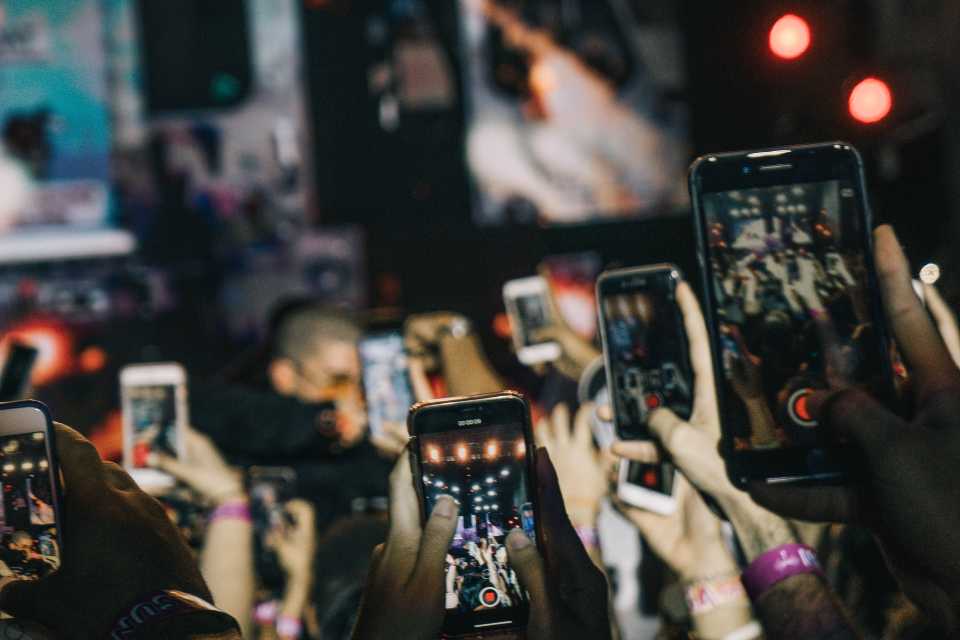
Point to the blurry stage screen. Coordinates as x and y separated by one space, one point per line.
575 109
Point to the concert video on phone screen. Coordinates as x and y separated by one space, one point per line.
153 416
30 548
485 470
790 285
648 354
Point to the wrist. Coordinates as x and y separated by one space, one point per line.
230 495
165 614
237 509
758 530
709 564
778 565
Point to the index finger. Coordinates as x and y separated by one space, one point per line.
946 320
931 366
704 393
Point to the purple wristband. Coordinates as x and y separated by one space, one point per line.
589 537
777 565
234 510
289 627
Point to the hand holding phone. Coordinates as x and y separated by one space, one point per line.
154 398
644 346
121 525
388 389
405 593
795 223
529 309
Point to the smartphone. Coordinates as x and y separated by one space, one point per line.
528 306
30 513
270 489
479 450
386 379
644 346
786 255
17 370
154 399
648 486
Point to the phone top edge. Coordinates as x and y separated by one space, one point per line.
518 286
450 401
764 153
172 372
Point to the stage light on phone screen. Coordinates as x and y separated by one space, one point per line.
789 37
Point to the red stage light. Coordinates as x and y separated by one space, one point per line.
492 449
870 101
462 453
789 37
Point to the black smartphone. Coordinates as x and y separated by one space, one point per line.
479 450
30 520
15 379
270 489
386 379
644 346
786 253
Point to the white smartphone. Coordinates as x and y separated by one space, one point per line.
154 400
648 486
528 306
30 504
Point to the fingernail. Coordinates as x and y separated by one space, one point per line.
445 507
518 540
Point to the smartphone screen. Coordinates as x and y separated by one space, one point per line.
153 419
533 314
270 489
30 546
481 460
386 379
792 300
648 365
651 477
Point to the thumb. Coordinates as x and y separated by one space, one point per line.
29 599
434 543
528 564
670 430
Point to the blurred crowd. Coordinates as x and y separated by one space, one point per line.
339 550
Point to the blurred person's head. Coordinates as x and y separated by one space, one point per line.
342 564
314 356
21 541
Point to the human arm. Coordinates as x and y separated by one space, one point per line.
448 345
692 445
226 561
113 530
581 469
912 512
690 541
295 546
